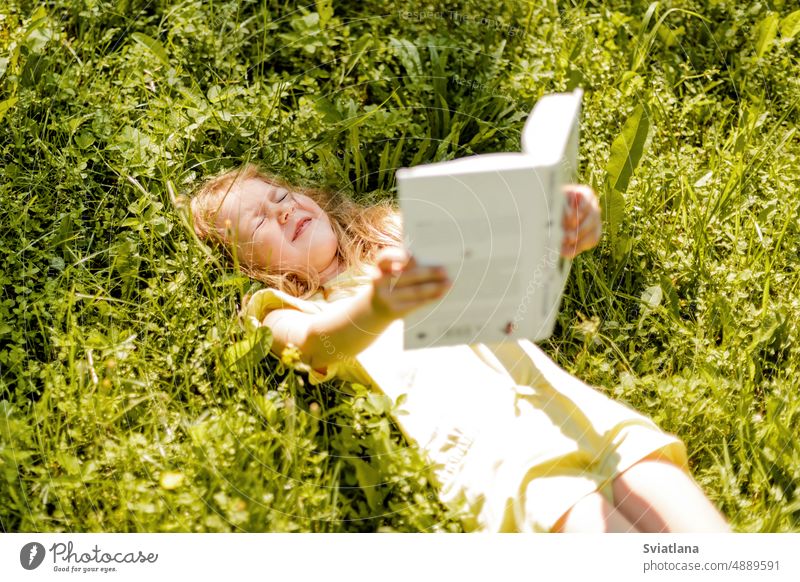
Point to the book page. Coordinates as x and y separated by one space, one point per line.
494 222
487 237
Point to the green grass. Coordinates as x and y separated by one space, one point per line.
123 406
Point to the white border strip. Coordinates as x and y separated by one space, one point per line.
400 557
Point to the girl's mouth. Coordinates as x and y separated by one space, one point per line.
301 226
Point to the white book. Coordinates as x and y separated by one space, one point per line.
494 222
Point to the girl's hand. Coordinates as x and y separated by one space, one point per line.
581 223
400 285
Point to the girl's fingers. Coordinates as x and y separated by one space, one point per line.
416 293
400 285
393 260
579 191
569 249
411 304
586 238
593 231
590 228
420 275
582 223
581 203
394 283
586 235
408 306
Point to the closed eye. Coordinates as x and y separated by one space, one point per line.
263 218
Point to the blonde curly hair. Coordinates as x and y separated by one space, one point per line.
361 231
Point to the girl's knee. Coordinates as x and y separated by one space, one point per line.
656 470
593 514
652 477
655 494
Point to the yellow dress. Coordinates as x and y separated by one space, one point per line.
514 440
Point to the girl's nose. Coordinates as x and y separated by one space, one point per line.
285 213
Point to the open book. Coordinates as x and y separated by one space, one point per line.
494 221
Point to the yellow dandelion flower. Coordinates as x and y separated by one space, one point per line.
290 356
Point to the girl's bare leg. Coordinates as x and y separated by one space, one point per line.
657 496
593 514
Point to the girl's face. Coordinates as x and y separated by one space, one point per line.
276 229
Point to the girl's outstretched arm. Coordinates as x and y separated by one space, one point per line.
398 287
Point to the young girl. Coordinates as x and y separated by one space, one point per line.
514 440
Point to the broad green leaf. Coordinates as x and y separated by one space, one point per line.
673 301
330 113
766 31
398 403
161 226
652 296
307 22
130 222
38 33
139 205
790 26
250 350
38 14
213 94
378 403
622 247
266 407
408 54
325 11
38 37
84 139
152 45
368 479
612 204
670 37
358 50
770 327
6 105
70 463
57 263
627 150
